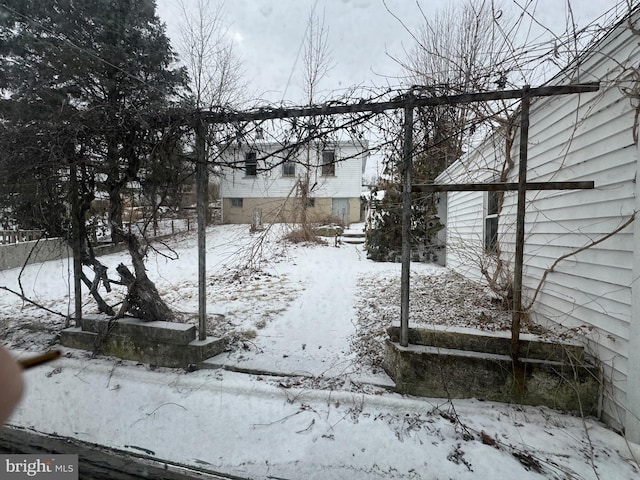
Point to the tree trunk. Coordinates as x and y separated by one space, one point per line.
143 300
115 214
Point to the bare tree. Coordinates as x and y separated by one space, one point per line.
317 56
215 70
469 46
208 52
466 47
316 65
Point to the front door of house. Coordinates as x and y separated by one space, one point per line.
340 209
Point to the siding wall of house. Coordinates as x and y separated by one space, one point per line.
574 137
347 181
466 210
270 188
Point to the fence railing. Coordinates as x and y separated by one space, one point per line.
17 236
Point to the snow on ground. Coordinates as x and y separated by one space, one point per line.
308 321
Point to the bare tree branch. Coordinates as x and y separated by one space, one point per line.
32 302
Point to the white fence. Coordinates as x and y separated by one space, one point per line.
17 236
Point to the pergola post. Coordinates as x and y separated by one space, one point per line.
520 224
76 244
202 183
407 179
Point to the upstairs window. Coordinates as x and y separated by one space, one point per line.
288 169
250 164
491 222
328 162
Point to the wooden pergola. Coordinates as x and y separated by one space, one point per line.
407 102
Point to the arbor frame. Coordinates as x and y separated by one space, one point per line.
408 102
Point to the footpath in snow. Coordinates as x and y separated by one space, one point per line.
312 336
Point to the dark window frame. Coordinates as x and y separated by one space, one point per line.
491 221
250 164
328 164
236 203
289 169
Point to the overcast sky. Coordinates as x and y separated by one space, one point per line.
363 37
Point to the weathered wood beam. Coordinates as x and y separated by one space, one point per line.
502 187
407 178
518 261
403 101
202 208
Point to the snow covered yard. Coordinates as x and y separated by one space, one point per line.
308 321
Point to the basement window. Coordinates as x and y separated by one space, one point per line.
236 202
491 222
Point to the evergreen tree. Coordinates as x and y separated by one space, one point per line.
84 84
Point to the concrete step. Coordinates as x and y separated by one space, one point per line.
164 344
499 343
353 237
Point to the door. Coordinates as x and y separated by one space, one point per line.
340 209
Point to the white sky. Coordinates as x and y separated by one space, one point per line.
363 36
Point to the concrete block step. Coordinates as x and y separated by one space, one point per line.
164 344
499 343
163 332
356 237
450 373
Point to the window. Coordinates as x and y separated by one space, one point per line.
491 222
328 162
236 202
311 202
250 164
288 169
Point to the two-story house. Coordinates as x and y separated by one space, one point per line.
268 178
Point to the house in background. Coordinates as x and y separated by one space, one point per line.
581 268
265 177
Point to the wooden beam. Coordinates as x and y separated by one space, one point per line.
502 187
402 101
202 209
518 260
407 178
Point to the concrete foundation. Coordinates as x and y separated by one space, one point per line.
164 344
445 364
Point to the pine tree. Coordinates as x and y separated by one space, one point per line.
87 89
84 83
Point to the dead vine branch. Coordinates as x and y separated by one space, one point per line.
575 252
32 302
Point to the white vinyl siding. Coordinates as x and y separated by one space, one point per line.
346 182
572 138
